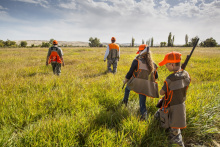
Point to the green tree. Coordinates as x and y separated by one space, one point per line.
142 41
2 43
94 42
23 43
45 44
7 43
193 41
162 44
148 42
51 41
172 41
132 42
209 42
186 40
169 39
152 41
13 43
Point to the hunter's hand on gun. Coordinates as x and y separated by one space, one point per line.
160 102
124 82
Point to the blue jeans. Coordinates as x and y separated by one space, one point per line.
142 100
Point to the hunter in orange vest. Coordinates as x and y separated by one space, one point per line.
55 57
172 113
112 54
141 78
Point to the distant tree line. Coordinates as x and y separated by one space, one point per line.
210 42
95 42
7 43
13 44
10 43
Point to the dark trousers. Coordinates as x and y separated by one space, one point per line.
56 68
113 62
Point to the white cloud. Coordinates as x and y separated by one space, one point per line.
71 5
185 9
3 14
6 17
43 3
191 10
210 9
122 7
123 19
27 1
163 9
127 18
2 8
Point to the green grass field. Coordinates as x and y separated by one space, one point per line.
80 107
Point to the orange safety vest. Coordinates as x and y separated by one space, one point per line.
113 46
143 82
172 111
178 85
113 51
54 56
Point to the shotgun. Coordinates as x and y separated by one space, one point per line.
123 86
188 56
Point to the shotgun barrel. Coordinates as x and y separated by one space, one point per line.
188 56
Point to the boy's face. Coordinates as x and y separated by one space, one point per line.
170 66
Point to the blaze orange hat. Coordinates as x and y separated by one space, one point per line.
55 42
173 57
113 38
141 48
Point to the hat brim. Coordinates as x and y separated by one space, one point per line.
162 63
166 61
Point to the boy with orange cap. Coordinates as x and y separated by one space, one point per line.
112 54
173 112
55 57
141 79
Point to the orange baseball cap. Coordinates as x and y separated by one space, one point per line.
173 57
113 38
141 48
55 42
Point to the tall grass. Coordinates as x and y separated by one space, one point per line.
81 107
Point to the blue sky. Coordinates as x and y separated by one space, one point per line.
77 20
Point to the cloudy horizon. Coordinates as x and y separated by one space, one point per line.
78 20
